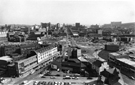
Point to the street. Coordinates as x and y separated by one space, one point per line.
90 50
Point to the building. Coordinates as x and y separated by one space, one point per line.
111 48
119 25
99 66
75 34
35 59
77 25
74 65
124 63
115 24
74 52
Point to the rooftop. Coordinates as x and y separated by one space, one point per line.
115 54
132 63
44 49
97 63
82 59
6 58
104 54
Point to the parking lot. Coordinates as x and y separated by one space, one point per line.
61 78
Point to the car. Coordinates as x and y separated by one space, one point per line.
57 75
43 77
67 77
52 77
77 75
40 83
89 77
75 78
131 77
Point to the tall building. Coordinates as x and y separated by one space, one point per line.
77 25
58 26
46 26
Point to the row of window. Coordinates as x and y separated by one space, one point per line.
44 55
27 61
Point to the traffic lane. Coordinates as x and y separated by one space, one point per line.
60 79
128 81
28 78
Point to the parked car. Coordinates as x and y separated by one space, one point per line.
52 77
67 77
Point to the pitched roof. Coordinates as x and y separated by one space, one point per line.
82 59
97 63
105 73
74 60
83 65
104 54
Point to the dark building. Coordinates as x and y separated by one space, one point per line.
115 24
124 39
96 65
44 25
94 26
2 51
77 25
57 25
47 26
12 71
112 48
74 65
74 53
69 53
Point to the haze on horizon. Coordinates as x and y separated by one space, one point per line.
66 11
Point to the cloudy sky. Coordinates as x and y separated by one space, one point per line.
66 11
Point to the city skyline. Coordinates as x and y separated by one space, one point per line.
67 11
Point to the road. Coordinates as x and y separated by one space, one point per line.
60 79
90 51
125 78
128 81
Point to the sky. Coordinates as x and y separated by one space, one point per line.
66 11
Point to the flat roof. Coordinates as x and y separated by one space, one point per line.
132 63
5 58
115 54
82 59
41 50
